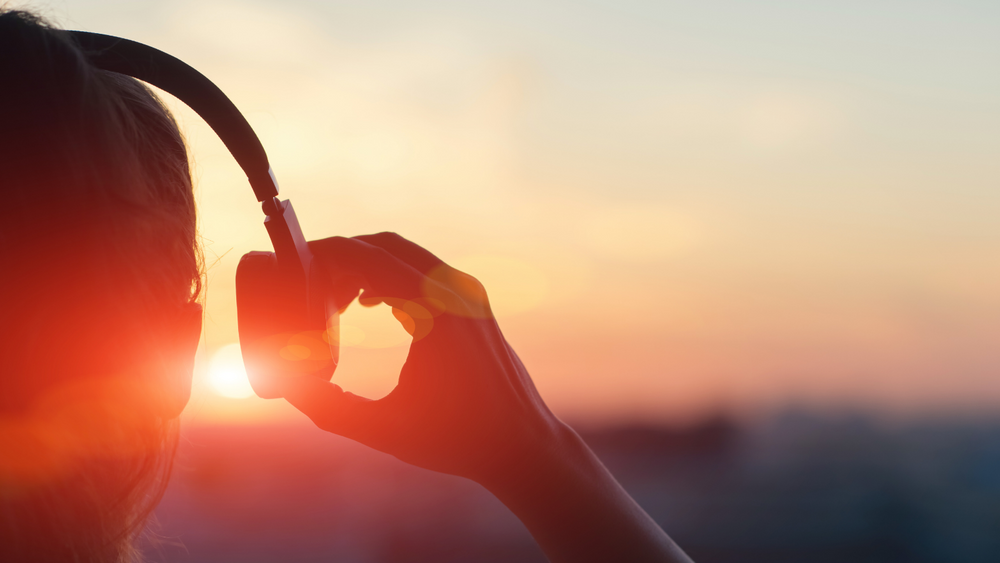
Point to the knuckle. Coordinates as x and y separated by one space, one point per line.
385 236
327 243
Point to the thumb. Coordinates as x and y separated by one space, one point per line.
330 407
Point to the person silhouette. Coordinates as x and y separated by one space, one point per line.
102 319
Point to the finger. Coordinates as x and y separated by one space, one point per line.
416 319
344 288
330 407
443 280
368 299
385 274
413 254
388 277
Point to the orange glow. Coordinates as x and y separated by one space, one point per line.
295 352
458 293
91 418
227 375
417 320
302 353
369 327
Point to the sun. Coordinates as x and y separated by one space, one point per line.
226 374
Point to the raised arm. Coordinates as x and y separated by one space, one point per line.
465 405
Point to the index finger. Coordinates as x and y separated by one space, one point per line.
386 275
406 250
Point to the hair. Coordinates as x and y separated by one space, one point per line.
99 252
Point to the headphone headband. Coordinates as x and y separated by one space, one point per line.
172 75
176 77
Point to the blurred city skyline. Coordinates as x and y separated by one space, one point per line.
676 208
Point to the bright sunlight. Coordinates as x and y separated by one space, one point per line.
226 373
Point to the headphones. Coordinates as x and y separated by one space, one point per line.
287 320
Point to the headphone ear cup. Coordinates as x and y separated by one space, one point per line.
281 333
324 312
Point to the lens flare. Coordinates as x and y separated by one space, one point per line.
368 327
226 374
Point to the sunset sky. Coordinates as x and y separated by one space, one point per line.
677 208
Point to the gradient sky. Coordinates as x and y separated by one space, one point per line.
676 207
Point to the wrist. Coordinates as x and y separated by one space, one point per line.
558 459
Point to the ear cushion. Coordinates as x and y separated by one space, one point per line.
281 334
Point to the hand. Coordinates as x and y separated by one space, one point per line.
464 404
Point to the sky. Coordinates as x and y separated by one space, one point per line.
677 208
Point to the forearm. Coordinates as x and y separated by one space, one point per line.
577 511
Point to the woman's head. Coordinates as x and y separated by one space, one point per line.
99 283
